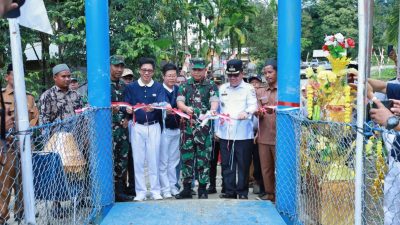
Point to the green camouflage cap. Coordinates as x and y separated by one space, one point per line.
117 59
198 63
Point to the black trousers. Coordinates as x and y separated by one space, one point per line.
214 162
236 154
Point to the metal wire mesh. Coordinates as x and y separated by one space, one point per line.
63 167
325 174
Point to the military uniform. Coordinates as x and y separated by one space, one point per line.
196 140
120 135
10 177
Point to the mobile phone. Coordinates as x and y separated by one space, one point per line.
387 103
390 49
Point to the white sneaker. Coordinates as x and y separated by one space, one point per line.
139 198
174 192
167 195
156 197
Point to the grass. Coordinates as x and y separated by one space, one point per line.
386 74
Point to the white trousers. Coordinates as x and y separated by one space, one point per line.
391 202
169 159
146 147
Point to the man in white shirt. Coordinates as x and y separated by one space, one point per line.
238 99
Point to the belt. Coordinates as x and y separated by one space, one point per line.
148 123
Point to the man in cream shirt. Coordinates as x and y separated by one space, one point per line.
238 99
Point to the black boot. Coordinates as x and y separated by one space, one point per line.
120 196
212 188
202 192
185 193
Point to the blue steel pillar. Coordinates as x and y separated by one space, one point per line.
98 67
289 34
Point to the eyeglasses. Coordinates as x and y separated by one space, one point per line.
233 75
146 71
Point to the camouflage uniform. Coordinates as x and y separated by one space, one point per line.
120 134
196 140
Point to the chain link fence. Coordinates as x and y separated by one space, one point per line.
64 165
325 173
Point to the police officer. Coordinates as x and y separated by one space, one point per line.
195 98
119 129
146 130
9 167
238 99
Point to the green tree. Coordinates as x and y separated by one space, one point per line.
263 39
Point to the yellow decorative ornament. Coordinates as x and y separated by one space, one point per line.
338 64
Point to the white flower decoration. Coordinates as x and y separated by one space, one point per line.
339 37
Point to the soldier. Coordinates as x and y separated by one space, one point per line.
74 85
195 98
9 166
119 129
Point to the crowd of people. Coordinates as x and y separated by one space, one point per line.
162 143
172 147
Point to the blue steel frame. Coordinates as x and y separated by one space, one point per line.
289 35
99 89
98 47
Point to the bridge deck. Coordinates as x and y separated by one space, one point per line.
194 212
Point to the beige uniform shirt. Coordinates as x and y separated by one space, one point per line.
267 124
9 101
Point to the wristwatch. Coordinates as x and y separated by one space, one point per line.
392 122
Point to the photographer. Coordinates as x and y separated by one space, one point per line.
389 117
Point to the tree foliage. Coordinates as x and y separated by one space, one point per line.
165 29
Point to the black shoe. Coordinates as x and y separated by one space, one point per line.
211 190
122 197
203 196
223 195
130 191
193 192
243 197
185 193
262 193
